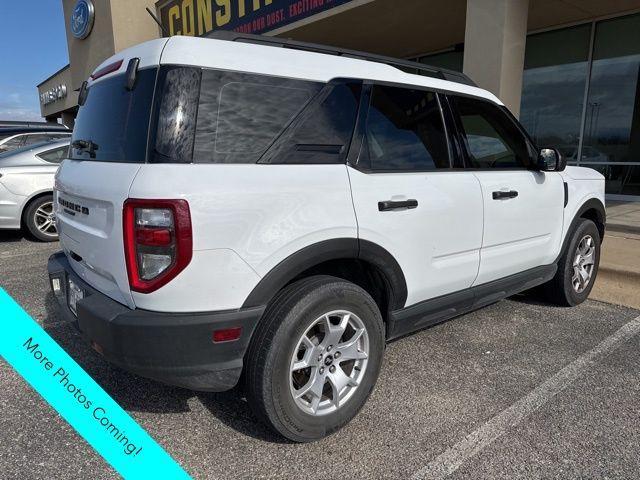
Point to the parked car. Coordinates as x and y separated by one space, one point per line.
235 209
26 188
33 125
12 138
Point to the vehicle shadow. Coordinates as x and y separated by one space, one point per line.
13 236
138 394
531 297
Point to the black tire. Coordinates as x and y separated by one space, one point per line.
560 290
29 219
287 318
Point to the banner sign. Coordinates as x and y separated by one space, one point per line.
198 17
79 399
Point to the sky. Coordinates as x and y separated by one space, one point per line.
33 45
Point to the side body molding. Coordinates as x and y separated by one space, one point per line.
335 249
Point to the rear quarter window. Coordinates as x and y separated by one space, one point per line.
240 115
56 155
322 133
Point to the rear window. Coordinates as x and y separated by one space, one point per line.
115 120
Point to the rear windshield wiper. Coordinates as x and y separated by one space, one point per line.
86 146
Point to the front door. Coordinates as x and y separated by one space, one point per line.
523 207
409 201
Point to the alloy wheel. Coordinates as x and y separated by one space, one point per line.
329 362
45 220
583 263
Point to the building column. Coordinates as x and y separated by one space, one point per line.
68 119
495 37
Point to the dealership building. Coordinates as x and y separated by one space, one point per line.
569 69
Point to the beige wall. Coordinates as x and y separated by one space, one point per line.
132 23
118 24
86 54
495 38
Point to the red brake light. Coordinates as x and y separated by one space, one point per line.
158 242
153 237
107 69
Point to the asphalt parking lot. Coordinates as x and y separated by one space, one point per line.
516 390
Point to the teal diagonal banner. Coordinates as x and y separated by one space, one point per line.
79 399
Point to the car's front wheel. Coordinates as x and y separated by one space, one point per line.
39 219
315 357
577 267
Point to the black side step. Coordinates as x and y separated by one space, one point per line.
424 314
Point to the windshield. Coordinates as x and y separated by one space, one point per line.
113 123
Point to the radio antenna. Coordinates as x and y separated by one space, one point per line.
155 19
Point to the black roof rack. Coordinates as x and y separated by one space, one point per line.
405 65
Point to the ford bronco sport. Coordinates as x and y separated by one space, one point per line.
237 212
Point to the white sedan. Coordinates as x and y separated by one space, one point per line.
26 188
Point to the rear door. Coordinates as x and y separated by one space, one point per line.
523 207
409 200
111 139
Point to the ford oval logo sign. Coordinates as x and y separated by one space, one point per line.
82 19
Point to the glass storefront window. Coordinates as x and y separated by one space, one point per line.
612 123
451 60
620 179
553 85
557 76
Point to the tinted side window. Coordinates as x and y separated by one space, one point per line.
36 138
240 115
56 155
15 142
57 136
177 106
405 130
322 133
491 138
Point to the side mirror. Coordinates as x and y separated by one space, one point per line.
550 160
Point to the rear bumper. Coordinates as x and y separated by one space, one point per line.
176 349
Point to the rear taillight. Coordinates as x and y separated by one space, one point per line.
158 242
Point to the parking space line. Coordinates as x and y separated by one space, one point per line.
14 255
452 458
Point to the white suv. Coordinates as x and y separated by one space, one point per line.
237 209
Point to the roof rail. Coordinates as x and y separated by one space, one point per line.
405 65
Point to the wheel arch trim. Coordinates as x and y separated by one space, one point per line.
28 200
334 249
590 204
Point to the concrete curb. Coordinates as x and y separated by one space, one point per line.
617 285
620 271
623 228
